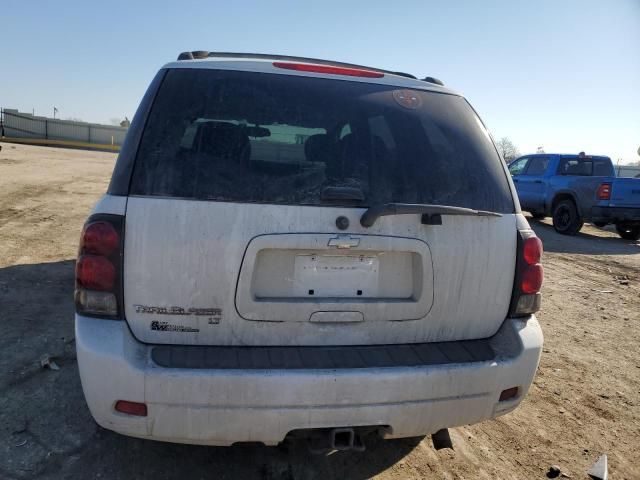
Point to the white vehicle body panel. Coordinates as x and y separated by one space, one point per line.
111 204
221 407
189 254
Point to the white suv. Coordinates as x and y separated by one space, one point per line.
292 246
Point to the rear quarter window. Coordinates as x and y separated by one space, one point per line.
269 138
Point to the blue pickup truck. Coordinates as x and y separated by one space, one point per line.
573 189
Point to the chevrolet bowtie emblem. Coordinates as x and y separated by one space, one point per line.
344 241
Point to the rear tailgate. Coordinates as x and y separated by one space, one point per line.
625 192
222 273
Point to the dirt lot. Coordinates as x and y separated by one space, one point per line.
585 400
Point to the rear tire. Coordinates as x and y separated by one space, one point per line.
628 232
566 219
538 215
599 224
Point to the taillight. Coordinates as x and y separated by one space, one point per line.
95 273
531 279
532 250
604 191
329 69
529 275
100 238
99 267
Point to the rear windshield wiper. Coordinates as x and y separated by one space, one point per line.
373 213
342 193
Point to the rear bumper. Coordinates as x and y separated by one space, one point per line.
223 406
615 215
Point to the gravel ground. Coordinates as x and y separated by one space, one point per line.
585 400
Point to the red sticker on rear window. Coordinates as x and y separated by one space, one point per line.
407 99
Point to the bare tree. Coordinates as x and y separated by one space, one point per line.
507 149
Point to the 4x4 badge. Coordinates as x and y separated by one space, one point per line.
344 241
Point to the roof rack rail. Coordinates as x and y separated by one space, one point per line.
198 54
433 80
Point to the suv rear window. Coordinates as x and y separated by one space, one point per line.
270 138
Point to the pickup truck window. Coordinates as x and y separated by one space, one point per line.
537 166
575 167
586 167
517 167
602 168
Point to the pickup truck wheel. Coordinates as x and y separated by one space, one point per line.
628 232
566 219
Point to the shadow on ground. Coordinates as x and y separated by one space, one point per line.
115 456
46 430
589 241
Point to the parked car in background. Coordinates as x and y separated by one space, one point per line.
299 247
573 189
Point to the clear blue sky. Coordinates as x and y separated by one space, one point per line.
560 74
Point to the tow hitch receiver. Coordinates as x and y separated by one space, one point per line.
323 441
346 439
